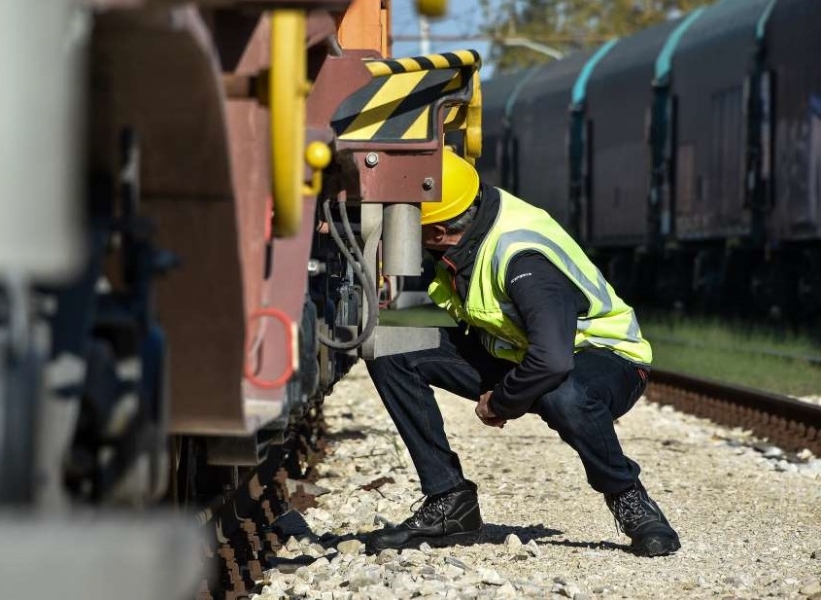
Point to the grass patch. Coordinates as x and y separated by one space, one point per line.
427 315
760 357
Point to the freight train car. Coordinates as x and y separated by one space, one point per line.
686 158
203 206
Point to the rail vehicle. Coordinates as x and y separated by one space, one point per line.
686 158
205 209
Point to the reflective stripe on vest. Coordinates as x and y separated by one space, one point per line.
519 226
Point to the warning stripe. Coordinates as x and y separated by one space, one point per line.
447 60
398 107
456 117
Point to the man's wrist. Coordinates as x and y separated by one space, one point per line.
494 403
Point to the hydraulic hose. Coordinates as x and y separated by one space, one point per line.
363 276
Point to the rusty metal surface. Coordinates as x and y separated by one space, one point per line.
201 307
338 77
789 423
320 27
247 5
230 403
397 179
286 286
177 106
285 289
364 27
248 141
241 87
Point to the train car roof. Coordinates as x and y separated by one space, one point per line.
635 51
724 19
554 80
496 90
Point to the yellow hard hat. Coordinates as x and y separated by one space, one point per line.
460 184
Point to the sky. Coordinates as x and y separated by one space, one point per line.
464 18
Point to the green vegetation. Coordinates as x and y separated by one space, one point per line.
757 357
427 315
568 25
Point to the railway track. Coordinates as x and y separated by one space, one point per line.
785 422
244 529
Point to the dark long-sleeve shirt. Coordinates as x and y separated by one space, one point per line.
548 304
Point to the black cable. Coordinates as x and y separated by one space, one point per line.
362 275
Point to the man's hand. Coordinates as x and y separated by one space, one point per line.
485 414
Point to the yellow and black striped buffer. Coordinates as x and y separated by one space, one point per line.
448 60
400 106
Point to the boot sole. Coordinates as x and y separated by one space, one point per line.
440 541
656 546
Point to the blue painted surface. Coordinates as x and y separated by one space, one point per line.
761 27
664 62
580 87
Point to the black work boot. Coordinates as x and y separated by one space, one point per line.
444 519
643 522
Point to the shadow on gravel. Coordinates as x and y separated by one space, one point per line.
293 525
346 434
588 545
491 534
496 534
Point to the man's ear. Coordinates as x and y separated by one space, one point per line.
439 233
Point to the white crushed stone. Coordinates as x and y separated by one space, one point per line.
749 516
810 399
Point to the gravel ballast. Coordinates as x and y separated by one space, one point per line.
749 515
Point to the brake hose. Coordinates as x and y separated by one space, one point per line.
362 275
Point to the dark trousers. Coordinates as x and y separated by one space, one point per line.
601 388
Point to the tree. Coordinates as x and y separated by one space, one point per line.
568 25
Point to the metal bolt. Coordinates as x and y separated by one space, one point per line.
427 184
315 267
372 159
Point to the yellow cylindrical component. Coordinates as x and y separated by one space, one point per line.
473 122
432 8
318 156
288 89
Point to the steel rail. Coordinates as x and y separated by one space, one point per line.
785 421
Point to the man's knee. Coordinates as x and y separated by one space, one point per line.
387 365
564 407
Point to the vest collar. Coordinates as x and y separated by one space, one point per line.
460 259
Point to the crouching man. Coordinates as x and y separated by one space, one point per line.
541 331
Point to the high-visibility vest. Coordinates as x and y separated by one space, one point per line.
519 226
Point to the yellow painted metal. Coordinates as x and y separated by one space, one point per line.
382 105
387 106
432 8
318 156
288 89
473 122
458 58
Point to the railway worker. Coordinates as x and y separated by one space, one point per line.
540 331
